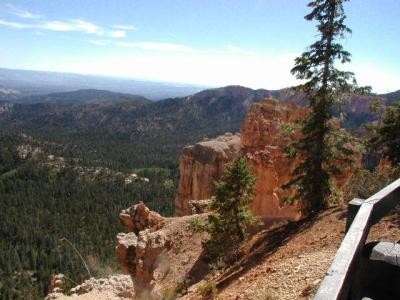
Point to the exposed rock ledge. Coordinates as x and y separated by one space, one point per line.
200 165
158 252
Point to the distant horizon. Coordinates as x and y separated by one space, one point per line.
204 43
109 76
183 84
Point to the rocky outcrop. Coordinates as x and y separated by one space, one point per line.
156 250
200 165
110 288
139 217
139 249
269 128
200 206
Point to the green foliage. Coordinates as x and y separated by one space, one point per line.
198 225
177 289
208 290
288 129
41 203
364 183
326 88
386 137
169 294
228 224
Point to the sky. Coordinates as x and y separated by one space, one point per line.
208 42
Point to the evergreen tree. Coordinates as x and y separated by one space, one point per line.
228 224
387 135
321 146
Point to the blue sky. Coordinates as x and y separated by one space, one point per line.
210 42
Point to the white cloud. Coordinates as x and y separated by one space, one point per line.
116 34
76 25
125 27
54 26
86 26
169 47
22 13
15 25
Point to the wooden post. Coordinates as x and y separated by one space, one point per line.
352 210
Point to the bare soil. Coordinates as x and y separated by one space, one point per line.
289 261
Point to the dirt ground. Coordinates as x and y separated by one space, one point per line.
290 261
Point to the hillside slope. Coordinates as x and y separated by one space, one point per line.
132 132
286 261
83 97
289 261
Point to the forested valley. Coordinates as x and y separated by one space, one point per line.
46 198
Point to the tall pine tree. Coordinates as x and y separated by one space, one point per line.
325 87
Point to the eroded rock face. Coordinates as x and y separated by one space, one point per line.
153 249
200 165
138 250
269 127
139 217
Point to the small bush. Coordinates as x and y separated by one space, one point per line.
198 225
208 290
169 293
365 183
178 289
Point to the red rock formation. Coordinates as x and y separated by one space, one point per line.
139 217
200 165
156 251
270 126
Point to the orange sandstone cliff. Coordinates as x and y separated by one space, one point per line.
263 139
268 129
270 126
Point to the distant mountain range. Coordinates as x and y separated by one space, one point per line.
24 82
82 97
136 131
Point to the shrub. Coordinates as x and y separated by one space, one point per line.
208 290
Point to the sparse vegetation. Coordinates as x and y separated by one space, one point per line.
364 183
198 225
177 289
208 290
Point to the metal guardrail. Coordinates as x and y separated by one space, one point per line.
361 216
